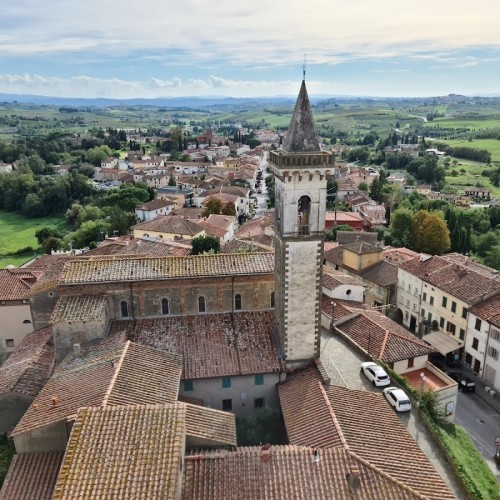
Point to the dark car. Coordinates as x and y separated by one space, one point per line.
464 383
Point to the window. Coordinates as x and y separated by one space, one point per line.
124 308
475 343
424 297
407 316
9 343
464 312
441 322
410 362
165 309
495 334
431 301
226 382
259 379
201 304
445 301
26 322
453 307
259 403
227 404
462 334
423 313
237 302
450 327
272 299
407 303
468 359
493 352
429 317
478 324
188 385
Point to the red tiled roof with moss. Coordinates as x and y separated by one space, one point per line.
212 345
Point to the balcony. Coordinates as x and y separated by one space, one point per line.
304 230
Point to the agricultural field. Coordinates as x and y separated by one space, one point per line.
17 232
492 145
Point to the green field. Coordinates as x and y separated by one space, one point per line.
492 145
17 231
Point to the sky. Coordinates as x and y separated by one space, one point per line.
174 48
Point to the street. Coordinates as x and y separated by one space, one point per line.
262 197
342 363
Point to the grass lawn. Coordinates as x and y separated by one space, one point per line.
17 231
492 145
469 462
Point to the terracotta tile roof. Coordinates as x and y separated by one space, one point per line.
29 367
301 396
255 227
384 440
212 230
335 256
343 217
125 452
154 204
188 212
79 308
466 261
224 222
290 473
488 310
244 246
15 284
113 269
224 198
386 340
362 248
52 267
344 237
459 281
142 247
398 255
383 273
32 476
108 372
341 308
332 279
212 345
170 224
210 424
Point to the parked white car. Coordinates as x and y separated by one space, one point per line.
397 399
375 373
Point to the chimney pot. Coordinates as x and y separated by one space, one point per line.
54 400
265 452
76 350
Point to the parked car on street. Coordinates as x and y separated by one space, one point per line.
375 373
465 383
397 398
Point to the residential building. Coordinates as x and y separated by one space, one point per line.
149 210
479 193
168 227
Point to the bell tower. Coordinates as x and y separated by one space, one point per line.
300 168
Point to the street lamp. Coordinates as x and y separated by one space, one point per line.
422 383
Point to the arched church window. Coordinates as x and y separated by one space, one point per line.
304 208
165 308
237 302
201 304
124 308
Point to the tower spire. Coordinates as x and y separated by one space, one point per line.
304 68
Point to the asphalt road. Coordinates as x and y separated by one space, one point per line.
481 422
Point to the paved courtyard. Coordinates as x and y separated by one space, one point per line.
343 365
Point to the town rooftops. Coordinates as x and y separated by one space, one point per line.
141 246
362 248
488 310
236 344
332 279
382 443
344 237
119 269
15 284
457 280
32 476
108 372
170 224
29 367
383 273
154 204
79 308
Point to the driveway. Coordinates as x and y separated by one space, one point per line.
342 363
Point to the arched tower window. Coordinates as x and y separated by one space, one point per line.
124 308
165 308
272 299
201 304
237 302
303 210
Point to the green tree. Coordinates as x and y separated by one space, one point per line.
432 235
213 206
363 186
228 209
402 228
171 181
205 244
484 243
332 235
492 257
45 232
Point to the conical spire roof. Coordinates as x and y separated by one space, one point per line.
301 136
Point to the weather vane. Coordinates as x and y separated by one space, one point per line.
304 67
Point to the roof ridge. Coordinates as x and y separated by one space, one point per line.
384 342
334 417
109 390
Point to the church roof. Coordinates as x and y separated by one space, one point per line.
301 136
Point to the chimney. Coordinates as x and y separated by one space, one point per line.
54 400
76 350
315 456
265 452
353 478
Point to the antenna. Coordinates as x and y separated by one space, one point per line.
304 67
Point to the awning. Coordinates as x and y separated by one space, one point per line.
442 342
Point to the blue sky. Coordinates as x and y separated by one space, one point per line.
104 48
